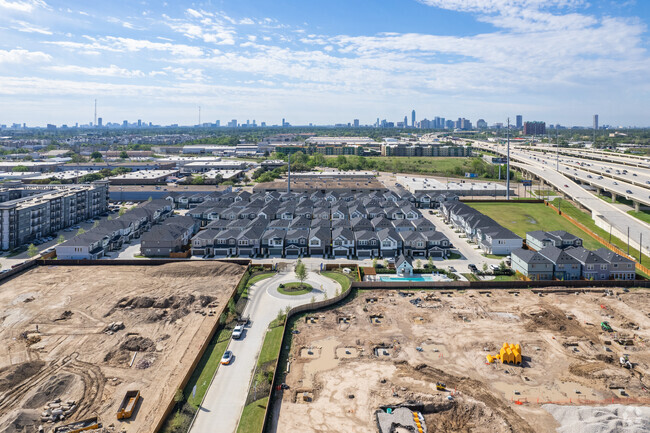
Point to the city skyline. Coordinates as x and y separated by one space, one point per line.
557 61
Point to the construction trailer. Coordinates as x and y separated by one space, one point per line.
128 404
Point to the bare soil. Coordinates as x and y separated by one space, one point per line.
359 365
56 342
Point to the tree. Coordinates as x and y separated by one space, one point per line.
418 264
32 250
198 180
386 263
81 231
150 199
109 218
231 306
20 168
124 155
430 262
301 272
374 262
312 300
122 211
95 224
485 267
96 155
60 239
90 177
178 398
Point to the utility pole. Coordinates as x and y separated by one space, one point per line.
508 165
557 151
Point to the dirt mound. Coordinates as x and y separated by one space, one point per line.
14 374
196 270
465 416
483 401
179 304
553 319
55 387
23 422
137 343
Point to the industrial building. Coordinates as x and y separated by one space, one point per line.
143 177
462 189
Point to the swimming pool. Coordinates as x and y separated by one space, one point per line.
420 278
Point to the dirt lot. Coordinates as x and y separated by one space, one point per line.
56 343
382 350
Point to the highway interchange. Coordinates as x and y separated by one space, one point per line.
569 179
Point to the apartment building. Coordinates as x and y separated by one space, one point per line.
29 212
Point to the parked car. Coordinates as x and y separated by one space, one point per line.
494 268
472 267
452 269
628 191
226 358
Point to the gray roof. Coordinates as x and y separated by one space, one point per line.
558 256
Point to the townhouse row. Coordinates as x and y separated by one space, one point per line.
481 229
559 255
111 235
320 225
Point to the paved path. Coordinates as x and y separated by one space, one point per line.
227 393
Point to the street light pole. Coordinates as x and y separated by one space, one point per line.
508 165
557 151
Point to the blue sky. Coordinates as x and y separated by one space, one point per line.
560 61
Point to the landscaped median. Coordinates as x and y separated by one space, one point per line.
295 289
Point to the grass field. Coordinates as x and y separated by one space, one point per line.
252 417
271 345
207 367
442 166
339 278
527 217
254 279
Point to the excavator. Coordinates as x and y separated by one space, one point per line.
606 327
441 386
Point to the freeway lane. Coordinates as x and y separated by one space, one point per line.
224 401
604 214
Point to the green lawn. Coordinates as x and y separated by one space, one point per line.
254 279
339 278
505 278
292 289
207 367
494 256
527 217
252 417
454 256
272 341
643 215
443 166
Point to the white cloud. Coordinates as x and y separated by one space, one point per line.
20 56
123 45
26 6
25 27
110 71
206 26
186 74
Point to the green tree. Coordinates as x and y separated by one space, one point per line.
178 398
198 180
231 306
60 239
95 224
32 250
418 264
20 168
485 267
90 177
122 211
124 155
81 231
301 272
430 262
96 155
374 262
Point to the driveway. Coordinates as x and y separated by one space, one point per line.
226 396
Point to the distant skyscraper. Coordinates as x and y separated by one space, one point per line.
534 128
217 123
520 121
406 121
100 122
125 124
595 121
412 118
283 122
139 123
356 123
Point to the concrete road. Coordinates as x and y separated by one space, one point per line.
224 401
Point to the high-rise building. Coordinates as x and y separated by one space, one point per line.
406 122
595 121
232 123
125 124
139 123
481 124
412 118
356 123
534 128
217 123
100 122
520 121
283 122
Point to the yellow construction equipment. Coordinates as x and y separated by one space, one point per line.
509 354
440 386
128 404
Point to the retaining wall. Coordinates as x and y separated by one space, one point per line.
469 285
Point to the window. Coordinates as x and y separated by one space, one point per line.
420 244
337 243
603 267
590 267
314 242
386 244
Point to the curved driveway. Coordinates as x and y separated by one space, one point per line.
224 401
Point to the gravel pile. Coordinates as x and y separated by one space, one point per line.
614 418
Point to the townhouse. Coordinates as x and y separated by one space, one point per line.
319 224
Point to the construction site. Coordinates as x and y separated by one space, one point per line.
469 361
104 347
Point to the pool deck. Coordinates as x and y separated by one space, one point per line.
415 278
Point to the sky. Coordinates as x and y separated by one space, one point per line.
324 62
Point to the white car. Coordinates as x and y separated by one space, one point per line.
237 332
226 358
494 267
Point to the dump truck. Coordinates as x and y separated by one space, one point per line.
128 404
605 327
441 386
